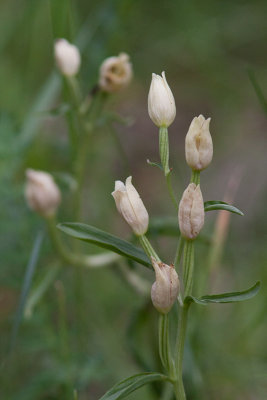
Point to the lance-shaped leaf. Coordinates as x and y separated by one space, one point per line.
221 205
231 297
154 164
129 385
93 235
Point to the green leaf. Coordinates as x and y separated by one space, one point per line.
155 164
105 240
225 297
30 269
167 226
221 205
127 386
258 90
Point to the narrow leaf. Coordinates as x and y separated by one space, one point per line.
105 240
155 164
258 90
225 297
221 205
26 286
129 385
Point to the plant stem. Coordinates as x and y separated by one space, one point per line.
164 345
179 251
150 252
195 177
179 351
170 189
164 149
188 267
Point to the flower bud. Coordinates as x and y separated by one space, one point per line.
42 193
161 103
67 57
130 206
198 144
115 73
191 212
165 290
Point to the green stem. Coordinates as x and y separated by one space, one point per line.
188 270
179 351
164 149
179 251
150 252
188 267
195 177
170 189
164 345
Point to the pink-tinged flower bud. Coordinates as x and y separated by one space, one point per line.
115 73
161 103
165 290
42 193
198 144
191 212
130 206
67 57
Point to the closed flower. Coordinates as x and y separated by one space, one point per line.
130 206
67 57
191 212
161 103
42 193
198 144
165 289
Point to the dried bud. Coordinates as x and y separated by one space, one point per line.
67 57
165 290
198 144
191 212
41 193
161 103
115 73
130 206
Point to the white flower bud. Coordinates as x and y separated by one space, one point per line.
115 73
165 290
67 57
198 144
191 212
42 193
161 103
130 206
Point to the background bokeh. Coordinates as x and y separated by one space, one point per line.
214 55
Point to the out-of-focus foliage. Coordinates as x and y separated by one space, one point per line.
206 49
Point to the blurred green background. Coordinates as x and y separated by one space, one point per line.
214 55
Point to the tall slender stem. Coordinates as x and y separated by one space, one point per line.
149 250
188 269
179 351
164 345
164 149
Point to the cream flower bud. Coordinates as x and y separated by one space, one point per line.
130 206
198 144
165 290
115 73
191 212
42 193
67 57
161 103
